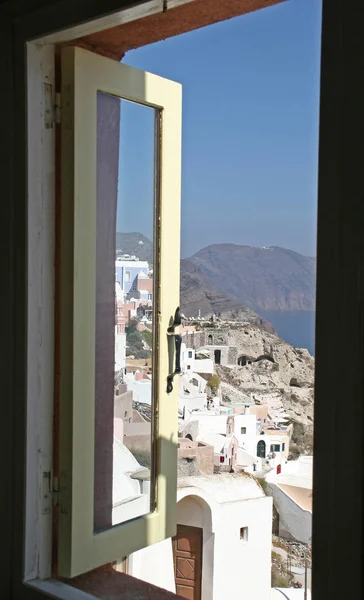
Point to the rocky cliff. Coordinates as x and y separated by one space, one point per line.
282 377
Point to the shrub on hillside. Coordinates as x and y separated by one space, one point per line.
214 382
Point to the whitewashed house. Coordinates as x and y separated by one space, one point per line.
223 541
196 361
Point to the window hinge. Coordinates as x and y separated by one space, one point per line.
57 108
50 492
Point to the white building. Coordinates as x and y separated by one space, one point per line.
196 361
120 351
131 489
254 447
224 530
192 395
141 388
245 430
127 268
292 494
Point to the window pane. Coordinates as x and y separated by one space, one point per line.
125 334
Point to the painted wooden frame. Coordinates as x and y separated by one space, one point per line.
83 74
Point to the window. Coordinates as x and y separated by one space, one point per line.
222 459
283 446
128 277
102 519
275 448
190 354
244 534
344 255
188 366
243 430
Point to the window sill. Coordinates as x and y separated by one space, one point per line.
102 583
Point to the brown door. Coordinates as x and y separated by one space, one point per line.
187 556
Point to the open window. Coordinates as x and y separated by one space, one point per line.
115 499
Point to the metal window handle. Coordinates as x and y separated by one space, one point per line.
178 342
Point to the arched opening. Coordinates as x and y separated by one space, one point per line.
265 357
261 449
209 339
189 437
194 546
242 360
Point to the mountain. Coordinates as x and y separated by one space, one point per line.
237 282
198 295
135 243
259 278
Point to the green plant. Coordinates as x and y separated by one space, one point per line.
147 337
214 383
134 341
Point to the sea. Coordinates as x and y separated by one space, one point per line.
295 327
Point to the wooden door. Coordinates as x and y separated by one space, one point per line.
187 556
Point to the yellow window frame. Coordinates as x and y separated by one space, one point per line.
80 549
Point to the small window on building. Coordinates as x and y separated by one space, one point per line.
243 430
188 366
283 446
222 459
127 276
149 296
190 354
275 448
244 534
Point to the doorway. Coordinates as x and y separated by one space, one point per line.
187 559
261 449
217 355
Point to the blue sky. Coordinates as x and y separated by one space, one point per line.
250 129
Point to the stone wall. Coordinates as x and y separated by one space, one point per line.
203 453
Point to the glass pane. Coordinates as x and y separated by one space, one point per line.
124 426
